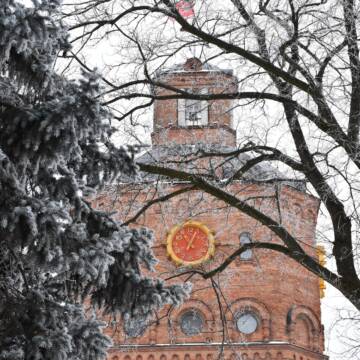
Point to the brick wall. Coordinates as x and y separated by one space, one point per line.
283 294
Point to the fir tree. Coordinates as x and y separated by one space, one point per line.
55 249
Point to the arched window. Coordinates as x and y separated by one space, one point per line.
245 238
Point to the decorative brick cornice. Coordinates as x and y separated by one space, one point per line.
273 350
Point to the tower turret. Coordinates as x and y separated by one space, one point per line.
189 121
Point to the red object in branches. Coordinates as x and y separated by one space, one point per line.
185 8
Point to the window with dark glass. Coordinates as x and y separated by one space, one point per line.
191 322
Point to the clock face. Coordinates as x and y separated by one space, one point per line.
190 243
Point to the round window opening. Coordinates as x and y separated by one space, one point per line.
191 322
247 323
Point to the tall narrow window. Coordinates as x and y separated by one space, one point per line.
245 238
193 112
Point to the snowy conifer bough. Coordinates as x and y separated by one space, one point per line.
55 250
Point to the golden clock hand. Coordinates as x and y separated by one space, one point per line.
190 242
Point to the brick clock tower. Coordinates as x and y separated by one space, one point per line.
263 305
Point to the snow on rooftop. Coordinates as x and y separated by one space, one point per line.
184 157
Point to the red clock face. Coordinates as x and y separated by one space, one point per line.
190 243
